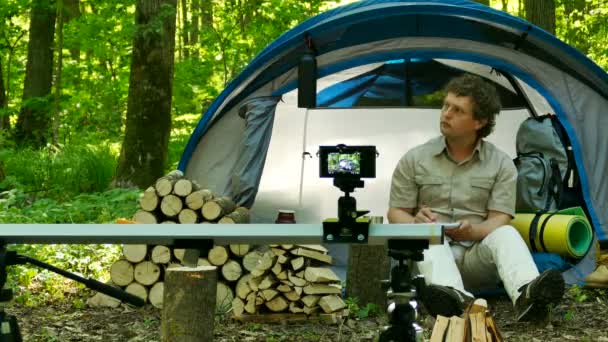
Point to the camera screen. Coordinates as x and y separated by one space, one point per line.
344 163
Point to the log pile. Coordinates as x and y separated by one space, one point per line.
477 324
251 280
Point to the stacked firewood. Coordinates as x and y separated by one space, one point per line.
476 324
176 199
287 278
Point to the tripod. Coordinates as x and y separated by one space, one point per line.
9 329
403 292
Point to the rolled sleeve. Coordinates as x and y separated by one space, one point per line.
502 197
404 191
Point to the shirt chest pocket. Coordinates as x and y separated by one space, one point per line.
431 190
481 187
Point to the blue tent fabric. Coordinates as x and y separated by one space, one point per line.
348 26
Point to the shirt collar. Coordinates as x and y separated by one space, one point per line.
439 146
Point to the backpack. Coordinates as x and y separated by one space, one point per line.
546 173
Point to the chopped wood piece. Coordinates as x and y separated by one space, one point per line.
160 255
239 250
121 272
282 275
218 255
320 275
284 288
257 272
287 282
183 187
310 300
156 294
100 299
239 215
250 306
146 273
281 259
259 300
242 286
311 310
277 268
268 294
135 253
287 247
203 262
297 263
456 329
187 216
331 303
278 251
296 280
300 274
295 308
477 325
251 260
231 270
321 289
312 254
168 222
292 296
254 283
171 205
317 248
267 282
196 199
238 306
179 253
149 200
298 290
217 207
138 290
224 297
164 185
142 216
277 304
440 329
265 262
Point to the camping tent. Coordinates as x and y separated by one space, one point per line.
255 145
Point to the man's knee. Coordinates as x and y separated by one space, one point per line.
503 234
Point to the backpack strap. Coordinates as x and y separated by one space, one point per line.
556 182
542 231
534 229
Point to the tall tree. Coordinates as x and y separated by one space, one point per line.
145 146
34 119
485 2
185 29
195 10
541 13
4 122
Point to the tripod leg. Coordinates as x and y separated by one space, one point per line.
9 330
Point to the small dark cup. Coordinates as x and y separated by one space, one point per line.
286 216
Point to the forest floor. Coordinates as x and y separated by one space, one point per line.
582 316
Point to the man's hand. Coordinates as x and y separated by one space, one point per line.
463 233
425 215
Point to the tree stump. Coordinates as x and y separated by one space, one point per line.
367 266
189 304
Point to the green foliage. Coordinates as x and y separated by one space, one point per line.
356 311
57 172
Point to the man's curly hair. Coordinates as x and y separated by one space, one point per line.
486 103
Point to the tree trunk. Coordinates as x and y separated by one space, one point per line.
541 13
185 28
484 2
58 70
4 119
195 10
33 122
367 266
72 11
145 147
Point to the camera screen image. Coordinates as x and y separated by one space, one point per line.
344 163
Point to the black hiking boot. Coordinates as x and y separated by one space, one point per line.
538 295
444 300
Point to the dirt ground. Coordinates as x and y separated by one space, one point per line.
582 316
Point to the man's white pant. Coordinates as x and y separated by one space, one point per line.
500 256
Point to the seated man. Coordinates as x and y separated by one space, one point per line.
459 177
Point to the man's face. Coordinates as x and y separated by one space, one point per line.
457 119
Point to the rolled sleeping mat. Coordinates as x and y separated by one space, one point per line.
568 235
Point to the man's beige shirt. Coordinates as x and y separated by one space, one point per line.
428 176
